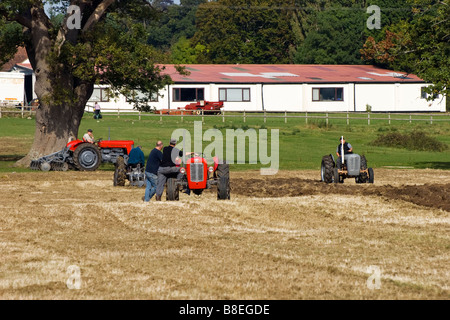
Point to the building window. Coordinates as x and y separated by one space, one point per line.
425 95
100 95
328 94
188 94
234 94
139 95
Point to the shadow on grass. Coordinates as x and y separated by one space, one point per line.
433 165
11 157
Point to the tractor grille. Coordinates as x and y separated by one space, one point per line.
196 172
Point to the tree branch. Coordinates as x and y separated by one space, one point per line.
21 19
97 14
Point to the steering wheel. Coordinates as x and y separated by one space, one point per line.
98 140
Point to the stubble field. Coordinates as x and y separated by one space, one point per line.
286 236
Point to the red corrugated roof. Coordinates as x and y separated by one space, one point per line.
287 73
19 57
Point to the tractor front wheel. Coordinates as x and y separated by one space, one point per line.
223 186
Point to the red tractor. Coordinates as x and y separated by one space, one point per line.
205 107
84 156
197 176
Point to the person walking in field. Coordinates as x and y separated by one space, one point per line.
151 171
97 114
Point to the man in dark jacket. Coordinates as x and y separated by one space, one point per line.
343 146
136 157
151 171
168 167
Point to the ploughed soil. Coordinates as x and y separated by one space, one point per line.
435 195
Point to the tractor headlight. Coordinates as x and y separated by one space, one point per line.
211 169
183 170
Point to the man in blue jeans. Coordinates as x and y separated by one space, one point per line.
151 171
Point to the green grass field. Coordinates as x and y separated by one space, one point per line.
301 144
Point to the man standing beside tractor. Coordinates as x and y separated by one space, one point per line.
151 172
168 167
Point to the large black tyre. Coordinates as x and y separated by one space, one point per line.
223 170
223 185
120 172
327 169
371 176
172 191
87 157
363 177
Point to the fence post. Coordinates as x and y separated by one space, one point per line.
182 114
160 115
285 116
265 116
21 112
203 116
223 116
348 120
327 119
244 116
139 115
306 117
118 113
0 112
431 119
368 118
389 115
410 120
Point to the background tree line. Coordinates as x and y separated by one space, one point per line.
414 34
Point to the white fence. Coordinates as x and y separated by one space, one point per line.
348 117
286 115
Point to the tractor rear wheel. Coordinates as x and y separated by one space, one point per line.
172 191
327 169
120 172
362 178
371 177
87 157
223 186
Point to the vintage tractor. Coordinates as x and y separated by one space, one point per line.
350 166
123 171
84 156
197 176
207 107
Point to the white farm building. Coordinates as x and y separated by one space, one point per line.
301 88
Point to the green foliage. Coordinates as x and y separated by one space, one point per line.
111 51
419 45
184 52
337 38
10 39
175 23
237 31
416 140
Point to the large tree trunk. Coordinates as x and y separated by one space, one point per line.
54 126
58 117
